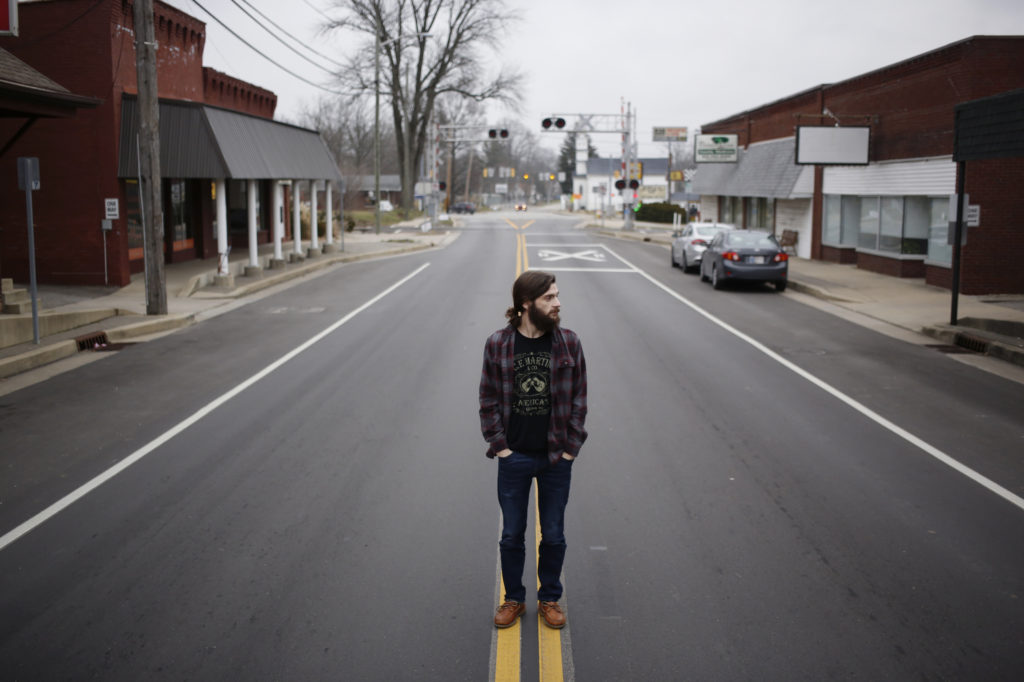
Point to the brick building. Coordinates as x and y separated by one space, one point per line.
891 215
220 148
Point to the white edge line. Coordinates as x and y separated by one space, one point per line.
988 483
77 494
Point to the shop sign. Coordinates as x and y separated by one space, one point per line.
717 148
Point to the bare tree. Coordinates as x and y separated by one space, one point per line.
427 48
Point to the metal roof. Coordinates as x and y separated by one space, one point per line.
200 141
766 169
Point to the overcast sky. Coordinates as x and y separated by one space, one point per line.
678 63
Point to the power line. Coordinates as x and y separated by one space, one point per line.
254 49
282 30
316 9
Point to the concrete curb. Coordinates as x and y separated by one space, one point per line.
268 281
978 340
37 358
50 353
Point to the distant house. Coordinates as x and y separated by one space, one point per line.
597 189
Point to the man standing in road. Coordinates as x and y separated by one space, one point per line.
533 404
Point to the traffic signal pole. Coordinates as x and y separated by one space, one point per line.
619 124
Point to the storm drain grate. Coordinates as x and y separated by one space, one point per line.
970 342
948 349
92 341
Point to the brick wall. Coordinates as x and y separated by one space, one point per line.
909 106
88 47
222 90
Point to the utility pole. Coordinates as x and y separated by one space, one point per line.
150 184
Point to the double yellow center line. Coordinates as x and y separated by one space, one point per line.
549 641
522 260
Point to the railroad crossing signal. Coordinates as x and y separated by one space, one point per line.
494 133
558 123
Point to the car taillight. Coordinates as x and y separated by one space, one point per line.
731 255
781 257
699 241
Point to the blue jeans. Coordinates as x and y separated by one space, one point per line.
515 477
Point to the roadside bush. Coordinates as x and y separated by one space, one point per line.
659 213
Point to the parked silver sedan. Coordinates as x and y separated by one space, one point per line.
689 244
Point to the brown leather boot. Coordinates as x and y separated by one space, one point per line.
507 614
554 617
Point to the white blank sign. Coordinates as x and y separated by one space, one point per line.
847 145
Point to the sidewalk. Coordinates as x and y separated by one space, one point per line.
72 319
993 325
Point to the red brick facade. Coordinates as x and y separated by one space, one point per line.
910 108
88 47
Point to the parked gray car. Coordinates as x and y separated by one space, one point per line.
745 255
689 244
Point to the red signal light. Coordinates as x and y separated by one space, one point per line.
546 123
559 123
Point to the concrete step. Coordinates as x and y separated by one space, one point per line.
19 308
6 284
12 296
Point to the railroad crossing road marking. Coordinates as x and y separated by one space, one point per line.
591 255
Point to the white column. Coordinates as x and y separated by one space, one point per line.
222 226
254 256
314 240
278 219
296 226
329 206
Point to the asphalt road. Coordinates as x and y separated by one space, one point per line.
762 496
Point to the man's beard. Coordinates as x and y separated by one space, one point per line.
542 322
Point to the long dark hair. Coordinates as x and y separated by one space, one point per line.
529 286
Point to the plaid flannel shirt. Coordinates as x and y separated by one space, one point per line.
568 392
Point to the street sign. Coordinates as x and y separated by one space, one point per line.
111 209
717 148
663 134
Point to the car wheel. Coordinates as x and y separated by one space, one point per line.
716 281
780 285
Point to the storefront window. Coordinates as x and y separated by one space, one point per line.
133 220
754 215
832 220
180 231
939 248
891 229
869 219
850 225
760 213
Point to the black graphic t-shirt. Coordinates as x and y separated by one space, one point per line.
531 395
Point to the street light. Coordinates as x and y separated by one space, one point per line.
376 116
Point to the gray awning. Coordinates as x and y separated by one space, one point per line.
766 170
200 141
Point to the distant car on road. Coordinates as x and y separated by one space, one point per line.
521 206
745 255
689 244
464 207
